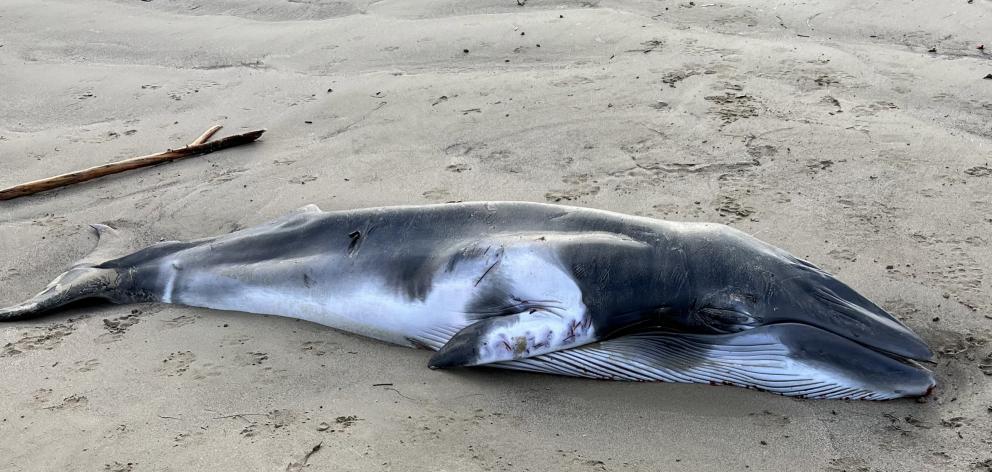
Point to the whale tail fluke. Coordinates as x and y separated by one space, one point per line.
85 279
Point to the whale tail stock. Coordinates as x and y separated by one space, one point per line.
85 279
112 271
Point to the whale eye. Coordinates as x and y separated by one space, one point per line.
726 311
726 320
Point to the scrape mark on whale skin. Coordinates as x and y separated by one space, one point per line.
357 239
355 244
416 344
498 256
466 254
484 274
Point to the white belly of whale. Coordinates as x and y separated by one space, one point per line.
366 304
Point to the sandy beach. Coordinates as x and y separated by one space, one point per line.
856 135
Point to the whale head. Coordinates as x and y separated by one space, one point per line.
748 292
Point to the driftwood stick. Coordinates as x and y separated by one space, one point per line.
133 163
206 135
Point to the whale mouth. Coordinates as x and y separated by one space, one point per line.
790 359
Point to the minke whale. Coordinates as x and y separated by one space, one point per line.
533 287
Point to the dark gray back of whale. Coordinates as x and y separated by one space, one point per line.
406 244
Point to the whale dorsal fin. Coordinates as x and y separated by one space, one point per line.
279 220
303 210
310 208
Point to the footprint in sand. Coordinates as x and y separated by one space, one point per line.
88 365
317 348
42 338
250 431
116 327
571 194
843 254
437 195
177 363
179 321
839 464
185 439
252 358
206 370
235 340
580 186
730 207
72 401
769 418
985 365
42 395
119 467
281 418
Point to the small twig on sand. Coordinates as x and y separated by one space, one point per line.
198 147
239 415
401 394
298 466
169 417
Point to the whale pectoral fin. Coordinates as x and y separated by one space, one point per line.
515 336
